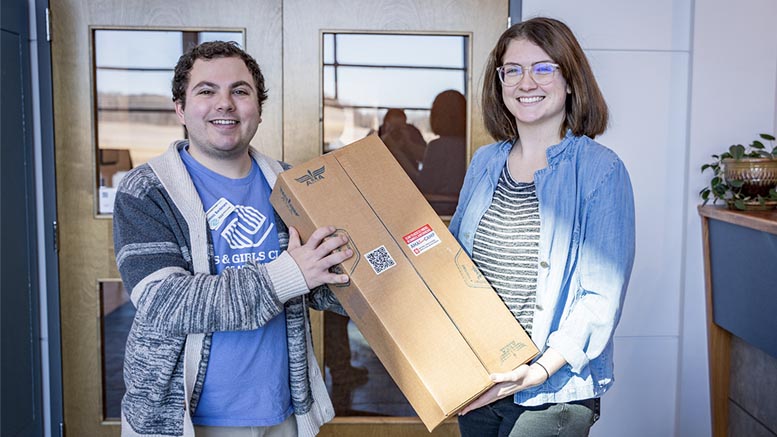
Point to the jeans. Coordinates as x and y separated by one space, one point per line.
504 418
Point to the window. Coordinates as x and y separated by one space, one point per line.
411 90
135 115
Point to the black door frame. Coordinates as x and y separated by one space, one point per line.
22 410
29 144
47 214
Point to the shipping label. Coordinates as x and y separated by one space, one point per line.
422 239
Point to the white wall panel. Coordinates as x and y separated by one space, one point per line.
642 401
640 54
647 93
733 97
665 124
621 24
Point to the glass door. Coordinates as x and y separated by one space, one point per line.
410 73
112 65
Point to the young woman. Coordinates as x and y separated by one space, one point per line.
547 214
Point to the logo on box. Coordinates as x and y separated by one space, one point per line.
311 177
469 272
287 201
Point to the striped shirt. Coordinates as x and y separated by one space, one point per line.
506 246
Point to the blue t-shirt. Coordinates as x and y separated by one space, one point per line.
247 380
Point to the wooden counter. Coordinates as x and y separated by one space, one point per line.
740 268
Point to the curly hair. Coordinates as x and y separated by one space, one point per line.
586 110
214 50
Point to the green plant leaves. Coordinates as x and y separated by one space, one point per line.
705 195
731 191
737 151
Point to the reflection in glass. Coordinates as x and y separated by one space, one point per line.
425 51
116 313
135 115
357 382
329 48
220 36
441 172
395 87
130 48
410 90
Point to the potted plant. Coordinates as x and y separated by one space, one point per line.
744 178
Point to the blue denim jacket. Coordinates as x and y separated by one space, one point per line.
586 253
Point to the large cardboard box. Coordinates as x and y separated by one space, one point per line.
422 305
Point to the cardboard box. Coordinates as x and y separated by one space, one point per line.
422 305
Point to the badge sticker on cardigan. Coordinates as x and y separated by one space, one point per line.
217 213
421 240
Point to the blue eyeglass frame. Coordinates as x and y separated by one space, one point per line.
500 74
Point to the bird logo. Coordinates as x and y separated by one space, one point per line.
311 177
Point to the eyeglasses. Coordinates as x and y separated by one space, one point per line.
542 72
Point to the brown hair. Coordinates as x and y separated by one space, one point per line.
214 50
448 116
586 110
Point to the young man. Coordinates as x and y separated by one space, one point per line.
220 341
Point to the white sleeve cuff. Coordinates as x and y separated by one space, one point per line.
571 352
286 277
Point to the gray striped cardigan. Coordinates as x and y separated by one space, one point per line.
165 257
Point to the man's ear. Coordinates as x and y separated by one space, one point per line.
179 112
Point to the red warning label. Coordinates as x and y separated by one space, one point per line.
421 240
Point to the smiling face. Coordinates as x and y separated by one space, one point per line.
221 113
534 105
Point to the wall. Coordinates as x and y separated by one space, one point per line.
684 80
640 53
733 98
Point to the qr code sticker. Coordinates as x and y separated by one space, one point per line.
380 260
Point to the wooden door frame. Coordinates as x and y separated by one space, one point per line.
86 247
